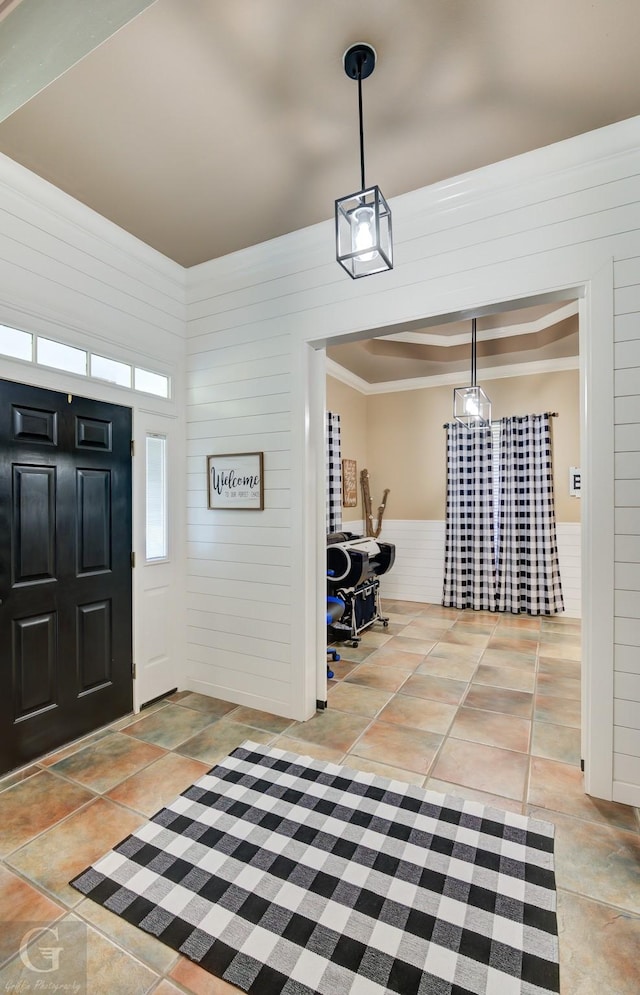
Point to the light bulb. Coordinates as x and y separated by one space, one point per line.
471 406
364 233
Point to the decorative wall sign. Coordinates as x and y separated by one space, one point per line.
235 480
349 483
574 481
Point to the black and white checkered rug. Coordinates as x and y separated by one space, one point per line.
289 876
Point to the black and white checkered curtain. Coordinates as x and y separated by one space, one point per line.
528 574
469 569
334 474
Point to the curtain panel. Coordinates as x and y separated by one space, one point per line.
333 474
469 573
528 573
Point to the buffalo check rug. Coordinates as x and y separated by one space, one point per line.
285 875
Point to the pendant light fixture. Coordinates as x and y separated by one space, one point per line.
363 220
471 406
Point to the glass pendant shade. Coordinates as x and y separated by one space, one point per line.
471 407
363 233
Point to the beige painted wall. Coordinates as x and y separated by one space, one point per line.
351 405
402 437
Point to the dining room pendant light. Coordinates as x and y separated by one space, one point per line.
364 243
471 406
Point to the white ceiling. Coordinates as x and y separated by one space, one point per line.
204 126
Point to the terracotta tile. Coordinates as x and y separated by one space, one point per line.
520 622
559 687
20 903
556 742
19 775
410 749
217 740
305 749
383 678
169 727
438 611
110 969
61 853
477 627
509 658
458 636
435 688
598 947
383 770
456 651
214 708
166 988
391 656
510 732
595 860
413 644
408 607
145 947
510 644
200 982
427 628
371 637
79 744
357 654
560 668
560 787
178 695
494 699
560 651
260 720
486 768
418 713
341 668
560 711
102 765
505 677
395 628
461 791
454 669
560 638
30 807
573 625
358 699
335 729
155 786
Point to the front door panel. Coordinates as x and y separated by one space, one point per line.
65 569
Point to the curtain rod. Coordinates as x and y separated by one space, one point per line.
552 414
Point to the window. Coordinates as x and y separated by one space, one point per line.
156 498
110 370
18 345
61 357
151 383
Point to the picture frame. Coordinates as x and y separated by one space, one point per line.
235 481
349 483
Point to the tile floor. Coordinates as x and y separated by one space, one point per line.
471 703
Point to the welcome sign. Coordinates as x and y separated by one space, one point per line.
235 480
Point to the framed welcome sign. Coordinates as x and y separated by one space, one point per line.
235 480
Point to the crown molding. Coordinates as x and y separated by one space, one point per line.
338 372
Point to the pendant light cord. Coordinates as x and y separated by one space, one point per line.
360 117
473 352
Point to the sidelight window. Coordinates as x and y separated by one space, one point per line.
156 498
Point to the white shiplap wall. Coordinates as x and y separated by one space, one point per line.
626 743
417 573
554 220
67 273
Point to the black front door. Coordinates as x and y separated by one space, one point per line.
65 569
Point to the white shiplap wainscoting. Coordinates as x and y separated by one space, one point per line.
417 574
